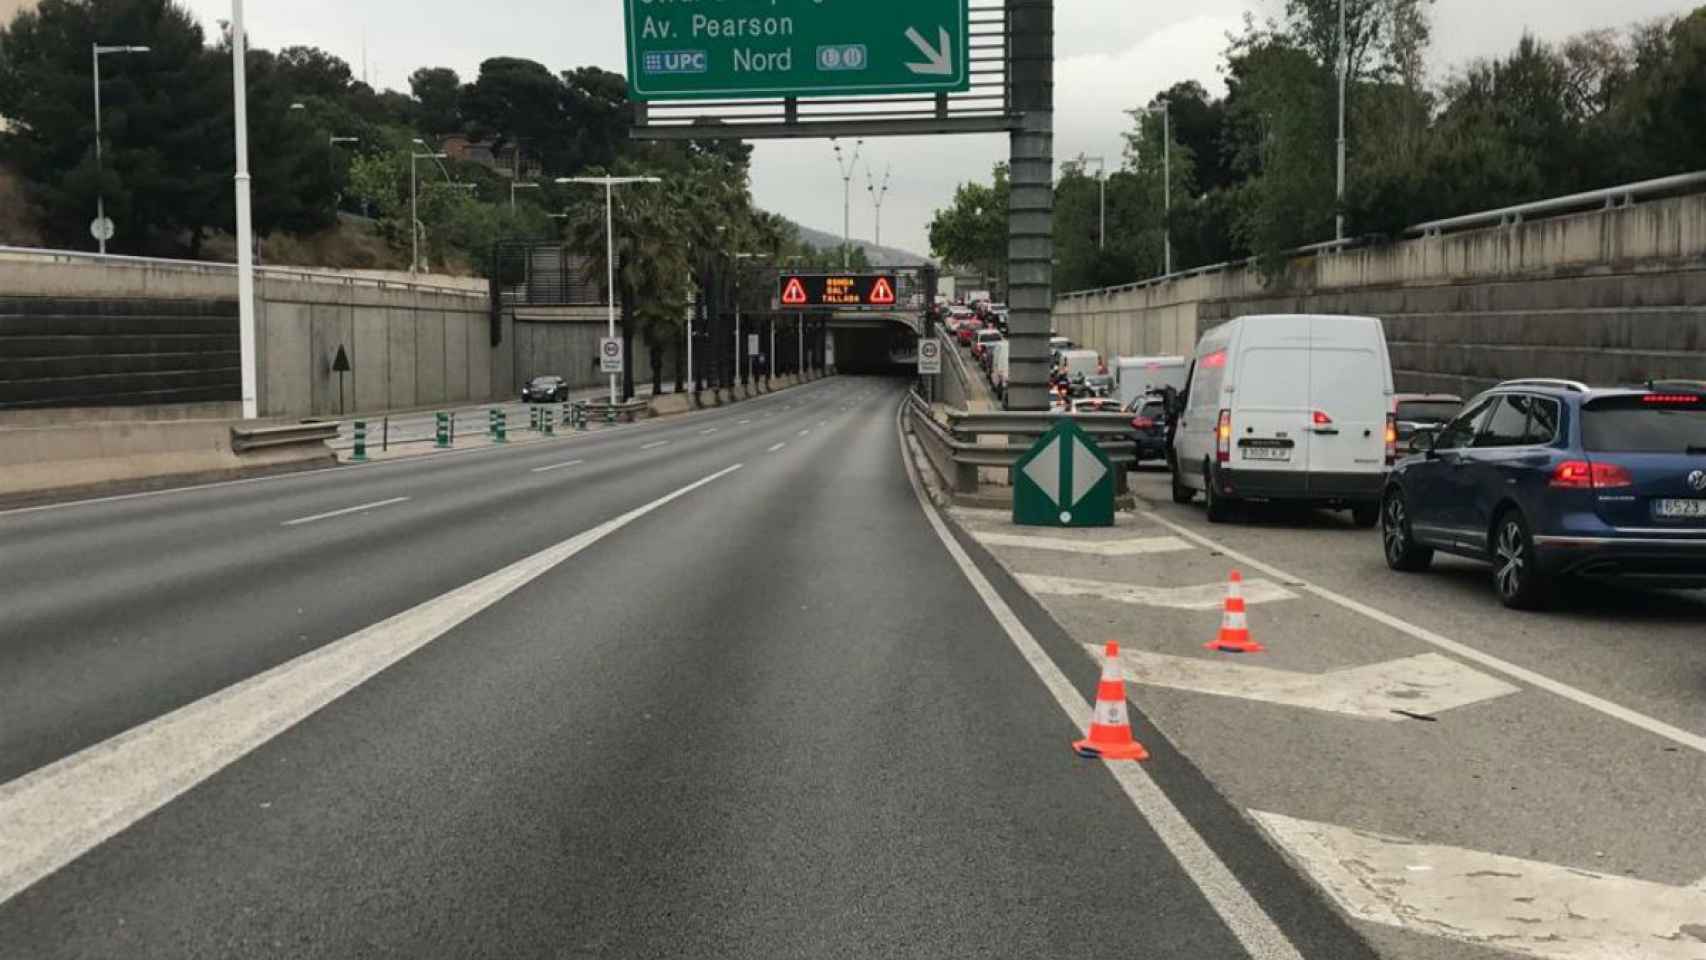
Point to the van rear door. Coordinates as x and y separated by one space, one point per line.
1349 395
1270 397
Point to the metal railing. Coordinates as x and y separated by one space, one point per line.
957 455
217 268
244 439
1608 198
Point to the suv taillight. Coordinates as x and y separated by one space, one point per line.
1223 438
1391 439
1583 475
1142 423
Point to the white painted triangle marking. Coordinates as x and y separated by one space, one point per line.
1208 596
1086 471
1524 906
1427 684
1044 470
1135 546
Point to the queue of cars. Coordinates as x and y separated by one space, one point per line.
1546 481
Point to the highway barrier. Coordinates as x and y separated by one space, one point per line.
500 427
956 454
443 441
360 454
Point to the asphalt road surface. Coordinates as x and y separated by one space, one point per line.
714 686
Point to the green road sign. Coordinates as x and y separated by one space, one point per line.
684 50
1064 481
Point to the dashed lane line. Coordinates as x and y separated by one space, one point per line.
655 444
344 512
558 466
1615 710
53 815
776 448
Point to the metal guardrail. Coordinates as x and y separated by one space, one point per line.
43 255
957 459
244 439
1608 198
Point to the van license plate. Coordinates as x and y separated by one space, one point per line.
1679 509
1266 453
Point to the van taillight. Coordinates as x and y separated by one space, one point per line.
1582 475
1391 439
1322 420
1223 438
1142 423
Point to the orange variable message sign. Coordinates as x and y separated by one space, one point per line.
838 290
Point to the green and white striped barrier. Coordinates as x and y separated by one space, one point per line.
500 429
360 455
443 440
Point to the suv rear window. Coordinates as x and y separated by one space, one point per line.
1428 411
1635 425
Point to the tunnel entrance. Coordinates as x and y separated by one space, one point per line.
878 348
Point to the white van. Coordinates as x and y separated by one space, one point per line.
1287 408
999 367
1086 362
1139 376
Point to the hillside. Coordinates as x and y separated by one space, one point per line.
879 256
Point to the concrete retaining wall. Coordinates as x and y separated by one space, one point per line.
409 345
1608 296
563 342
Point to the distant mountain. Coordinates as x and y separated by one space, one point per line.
879 256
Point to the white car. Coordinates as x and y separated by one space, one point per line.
1290 407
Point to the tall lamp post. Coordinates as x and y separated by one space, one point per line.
743 360
1102 182
847 200
1344 70
100 192
877 195
609 184
414 206
1166 111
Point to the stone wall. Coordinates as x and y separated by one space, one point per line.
1606 296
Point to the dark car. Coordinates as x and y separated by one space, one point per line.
1423 411
545 390
1149 426
1551 479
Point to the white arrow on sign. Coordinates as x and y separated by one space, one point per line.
1422 685
1525 906
941 56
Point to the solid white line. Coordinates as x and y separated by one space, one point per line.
1261 939
1675 734
339 513
655 444
707 430
803 432
53 815
744 422
557 466
776 448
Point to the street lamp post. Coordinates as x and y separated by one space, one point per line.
609 184
523 185
1344 69
743 361
877 195
1102 182
1166 109
847 200
414 207
100 190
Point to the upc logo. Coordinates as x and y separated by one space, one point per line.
677 61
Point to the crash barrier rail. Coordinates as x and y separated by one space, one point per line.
626 411
956 454
1608 198
244 439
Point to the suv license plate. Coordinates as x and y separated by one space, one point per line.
1679 509
1266 453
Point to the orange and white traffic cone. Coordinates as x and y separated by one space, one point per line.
1234 629
1110 730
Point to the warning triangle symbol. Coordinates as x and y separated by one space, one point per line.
794 292
882 291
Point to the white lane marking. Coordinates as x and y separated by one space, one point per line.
707 430
1206 596
803 432
823 423
1136 546
53 815
1255 930
347 510
557 466
776 448
1533 908
1640 720
1426 684
744 422
655 444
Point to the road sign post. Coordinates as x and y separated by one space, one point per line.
1065 480
778 48
610 354
929 357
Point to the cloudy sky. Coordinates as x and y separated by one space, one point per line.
1112 55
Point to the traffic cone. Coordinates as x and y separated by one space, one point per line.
1110 731
1234 629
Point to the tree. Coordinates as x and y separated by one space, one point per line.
973 231
437 92
594 106
518 102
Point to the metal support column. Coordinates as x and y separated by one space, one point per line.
1030 222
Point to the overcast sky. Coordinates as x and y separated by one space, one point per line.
1112 55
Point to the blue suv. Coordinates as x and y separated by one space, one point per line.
1552 479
